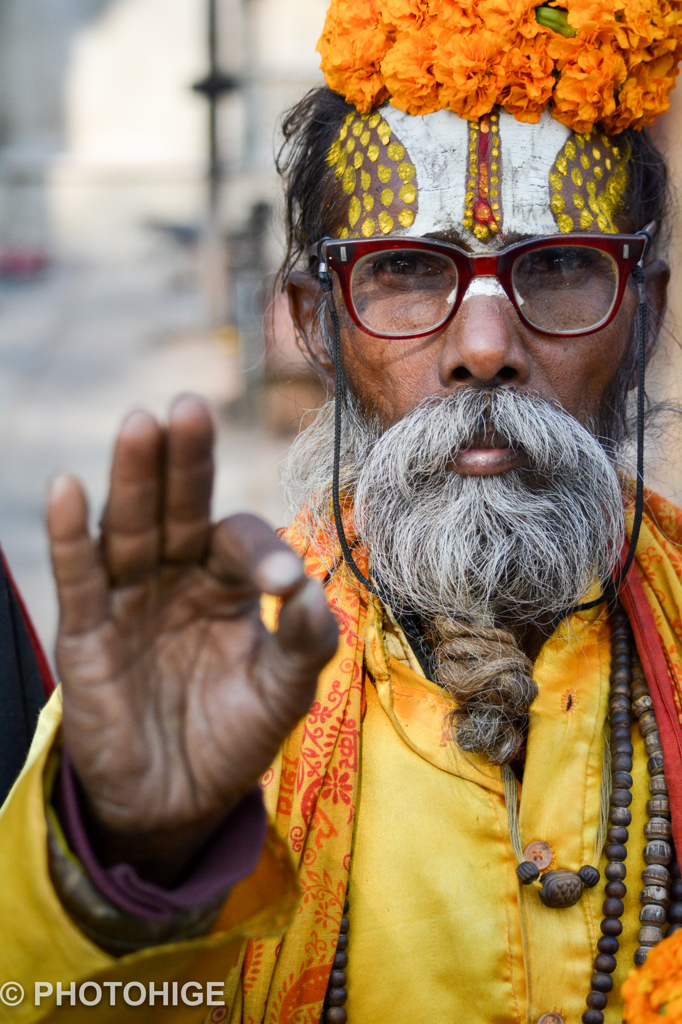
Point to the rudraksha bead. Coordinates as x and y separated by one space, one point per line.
340 961
622 747
617 834
342 943
649 935
602 982
597 1000
620 816
592 1017
616 851
337 997
655 894
605 963
621 732
656 874
615 871
657 852
658 828
337 979
615 889
620 718
613 908
621 763
611 926
675 913
343 928
621 798
654 914
608 944
647 723
622 780
336 1015
658 806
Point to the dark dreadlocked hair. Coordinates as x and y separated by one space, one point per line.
316 206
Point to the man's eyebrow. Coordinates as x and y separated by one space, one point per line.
463 238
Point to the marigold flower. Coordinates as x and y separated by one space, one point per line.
529 81
655 990
470 73
584 93
352 46
408 73
468 55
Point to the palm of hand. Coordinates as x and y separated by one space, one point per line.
176 697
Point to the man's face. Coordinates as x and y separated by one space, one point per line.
482 186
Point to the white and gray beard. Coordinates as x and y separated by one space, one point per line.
473 554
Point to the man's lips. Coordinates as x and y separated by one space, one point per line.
487 458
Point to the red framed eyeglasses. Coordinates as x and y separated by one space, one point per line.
566 285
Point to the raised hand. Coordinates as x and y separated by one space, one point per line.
176 697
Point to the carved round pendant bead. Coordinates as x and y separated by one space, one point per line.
590 876
527 872
561 888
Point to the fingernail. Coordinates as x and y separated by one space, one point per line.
59 486
279 570
138 420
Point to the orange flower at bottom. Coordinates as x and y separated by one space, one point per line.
470 71
655 990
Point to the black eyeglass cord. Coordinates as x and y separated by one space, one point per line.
611 592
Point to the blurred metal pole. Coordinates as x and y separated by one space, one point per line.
216 85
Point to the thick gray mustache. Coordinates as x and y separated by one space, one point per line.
524 541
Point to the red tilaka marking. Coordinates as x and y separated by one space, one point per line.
483 211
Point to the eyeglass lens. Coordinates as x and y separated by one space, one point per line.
398 292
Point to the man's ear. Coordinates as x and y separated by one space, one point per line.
657 276
305 297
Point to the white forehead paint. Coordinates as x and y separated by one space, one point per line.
528 152
438 146
484 286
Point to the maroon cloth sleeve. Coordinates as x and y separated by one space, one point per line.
230 855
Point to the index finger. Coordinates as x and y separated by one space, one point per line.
247 554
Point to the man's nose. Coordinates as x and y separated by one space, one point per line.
483 344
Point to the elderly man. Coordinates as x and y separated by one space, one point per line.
452 799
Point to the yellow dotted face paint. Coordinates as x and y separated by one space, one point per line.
586 191
375 171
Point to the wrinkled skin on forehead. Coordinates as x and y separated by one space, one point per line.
542 178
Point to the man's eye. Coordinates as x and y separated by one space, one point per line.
404 266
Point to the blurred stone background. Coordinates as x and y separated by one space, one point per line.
120 285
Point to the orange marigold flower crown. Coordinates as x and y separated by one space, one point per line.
610 63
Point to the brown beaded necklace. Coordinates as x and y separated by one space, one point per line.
661 897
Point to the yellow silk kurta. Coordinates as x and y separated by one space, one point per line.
439 929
